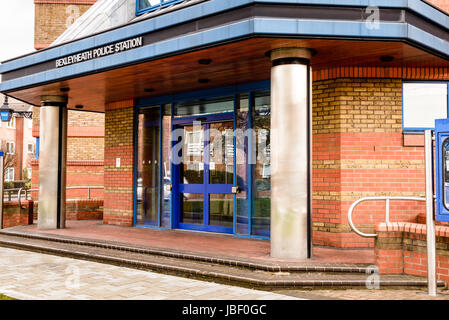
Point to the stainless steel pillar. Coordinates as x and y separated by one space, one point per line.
52 162
291 153
430 223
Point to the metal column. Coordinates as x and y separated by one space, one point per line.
430 223
52 162
290 153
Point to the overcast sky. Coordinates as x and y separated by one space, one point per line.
16 28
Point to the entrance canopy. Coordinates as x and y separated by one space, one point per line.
219 43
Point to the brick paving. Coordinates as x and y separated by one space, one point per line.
267 277
205 243
36 276
355 294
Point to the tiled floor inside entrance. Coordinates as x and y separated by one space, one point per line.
195 242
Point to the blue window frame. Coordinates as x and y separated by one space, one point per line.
249 91
37 149
143 6
422 103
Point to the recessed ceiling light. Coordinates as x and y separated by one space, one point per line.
205 61
386 58
65 89
203 80
79 106
148 90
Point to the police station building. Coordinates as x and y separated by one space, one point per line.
256 118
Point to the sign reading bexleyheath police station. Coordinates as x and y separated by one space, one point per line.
100 52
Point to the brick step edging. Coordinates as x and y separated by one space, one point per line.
226 278
343 268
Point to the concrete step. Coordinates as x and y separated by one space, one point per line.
246 276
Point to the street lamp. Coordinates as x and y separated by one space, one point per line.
6 112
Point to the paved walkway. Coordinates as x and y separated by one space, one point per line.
34 276
197 242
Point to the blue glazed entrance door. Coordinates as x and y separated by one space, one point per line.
205 174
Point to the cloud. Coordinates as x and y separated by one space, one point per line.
16 28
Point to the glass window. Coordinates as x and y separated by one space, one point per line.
12 123
9 174
221 158
30 148
423 103
261 169
148 166
10 148
241 138
166 166
192 208
154 4
204 106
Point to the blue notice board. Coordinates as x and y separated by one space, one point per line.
442 169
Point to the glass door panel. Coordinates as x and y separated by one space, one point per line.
221 145
206 174
221 209
192 210
192 171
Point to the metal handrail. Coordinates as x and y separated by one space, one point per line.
387 211
19 192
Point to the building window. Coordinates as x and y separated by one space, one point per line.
423 103
12 123
10 148
9 174
151 5
30 148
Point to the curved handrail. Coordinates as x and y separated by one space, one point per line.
387 211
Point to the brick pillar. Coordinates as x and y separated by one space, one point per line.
119 181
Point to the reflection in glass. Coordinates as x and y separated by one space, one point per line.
148 166
262 178
192 208
192 169
242 200
204 106
220 210
166 177
221 147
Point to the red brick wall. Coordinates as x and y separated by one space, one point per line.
14 216
401 249
79 173
358 151
119 182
